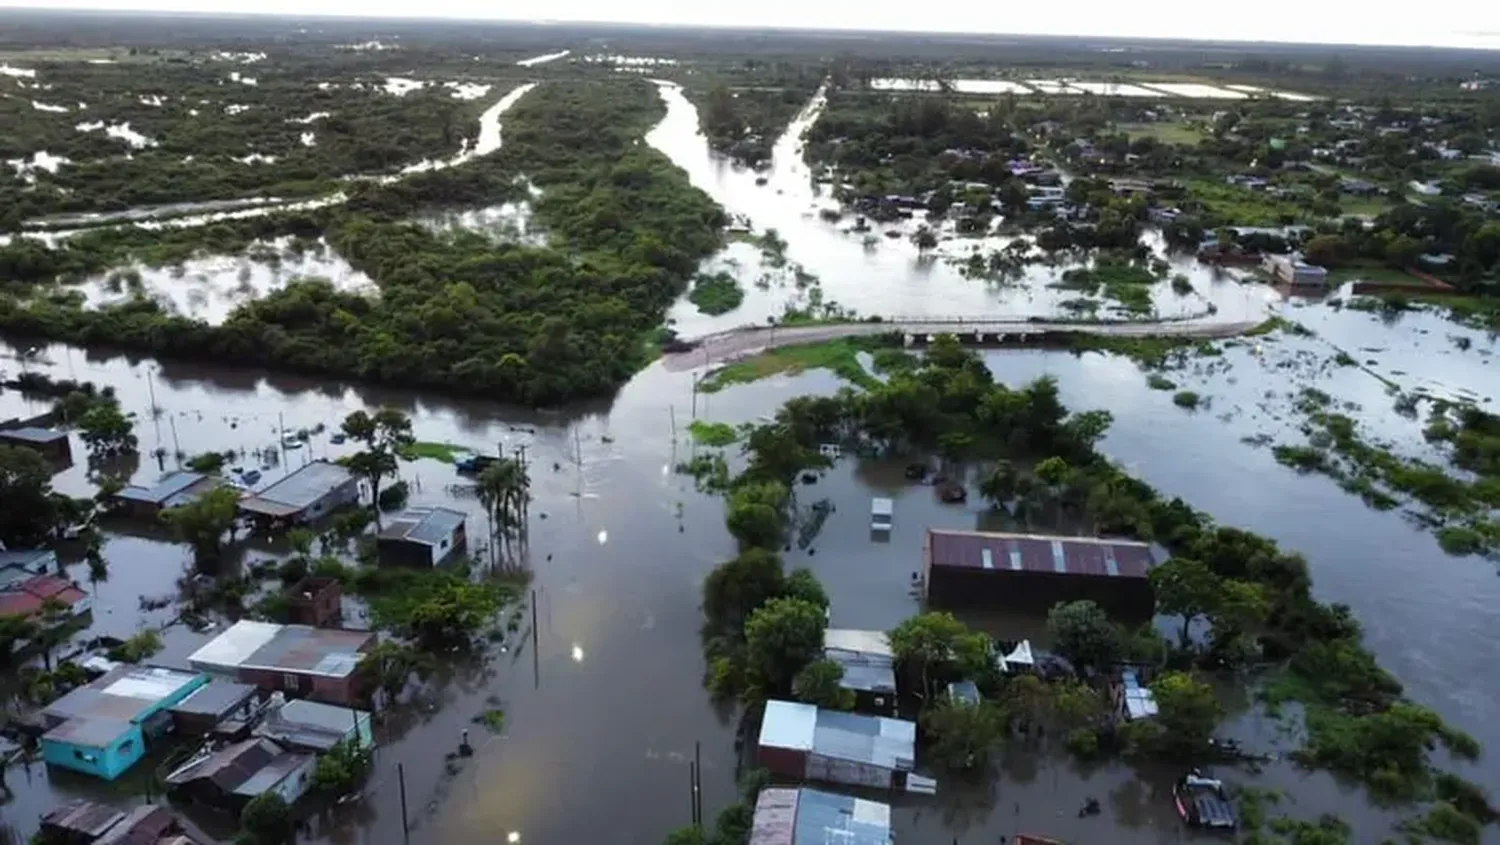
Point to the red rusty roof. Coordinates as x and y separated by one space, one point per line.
26 597
1004 552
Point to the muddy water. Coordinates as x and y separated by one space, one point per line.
603 714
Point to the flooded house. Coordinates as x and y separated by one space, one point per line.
807 742
422 537
305 495
869 667
102 728
304 662
812 817
52 443
315 601
91 823
27 595
20 564
1292 270
173 490
228 778
1037 570
313 727
219 707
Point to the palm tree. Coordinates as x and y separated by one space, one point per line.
504 490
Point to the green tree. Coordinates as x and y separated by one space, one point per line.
1187 588
26 489
391 664
106 431
961 736
267 820
203 523
925 239
1000 485
782 637
1326 250
343 769
1403 251
818 683
504 488
803 584
737 587
938 648
52 621
757 514
14 630
1187 710
385 436
1081 631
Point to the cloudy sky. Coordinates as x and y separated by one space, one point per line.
1450 23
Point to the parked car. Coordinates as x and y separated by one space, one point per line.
1201 802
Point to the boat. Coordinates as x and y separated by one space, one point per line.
474 464
291 441
1202 802
336 439
251 476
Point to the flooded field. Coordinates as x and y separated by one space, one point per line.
1144 88
602 716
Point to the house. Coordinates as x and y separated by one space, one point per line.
90 823
299 660
423 537
1292 270
102 728
1036 570
869 666
305 495
51 442
229 777
172 490
1133 700
1425 189
805 742
310 726
812 817
20 564
315 601
29 597
220 706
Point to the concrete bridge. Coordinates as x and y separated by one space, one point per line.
750 340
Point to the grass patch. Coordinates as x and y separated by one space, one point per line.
717 434
1364 206
445 452
1157 381
840 356
493 719
1167 133
716 294
1186 399
1243 206
1374 273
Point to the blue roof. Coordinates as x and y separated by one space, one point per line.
168 486
811 817
34 434
427 526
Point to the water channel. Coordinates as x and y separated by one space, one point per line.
602 718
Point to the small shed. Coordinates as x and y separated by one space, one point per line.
882 514
52 443
314 727
317 663
812 817
212 704
80 822
868 664
1133 700
102 728
316 601
806 742
305 495
422 537
229 777
173 490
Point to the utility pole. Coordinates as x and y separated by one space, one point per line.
401 779
536 659
176 446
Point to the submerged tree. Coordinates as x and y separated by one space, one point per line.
26 491
106 431
203 522
820 683
385 436
504 489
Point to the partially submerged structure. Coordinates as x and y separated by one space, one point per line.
229 777
422 537
219 707
102 728
868 664
91 823
315 601
313 727
1133 700
172 490
882 514
803 741
305 495
52 443
812 817
1035 570
30 596
299 660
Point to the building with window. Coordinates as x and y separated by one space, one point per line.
102 728
812 817
172 490
51 442
306 495
805 742
423 537
310 726
229 777
304 662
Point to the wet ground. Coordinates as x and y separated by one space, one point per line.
601 719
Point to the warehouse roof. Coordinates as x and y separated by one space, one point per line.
428 526
332 652
887 743
811 817
1039 553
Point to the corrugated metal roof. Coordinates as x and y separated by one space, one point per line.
89 732
141 826
865 642
302 487
789 724
123 694
428 526
813 817
169 485
310 724
84 817
215 698
1082 556
865 657
231 648
33 434
887 743
229 766
331 652
273 773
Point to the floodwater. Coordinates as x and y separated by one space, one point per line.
1159 90
603 714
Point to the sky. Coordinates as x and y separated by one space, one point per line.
1443 23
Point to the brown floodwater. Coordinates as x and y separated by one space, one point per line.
604 711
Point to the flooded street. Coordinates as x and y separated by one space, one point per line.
602 717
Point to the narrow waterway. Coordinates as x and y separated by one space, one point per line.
603 713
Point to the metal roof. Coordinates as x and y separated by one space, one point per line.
299 489
215 698
143 825
84 817
882 507
427 526
1039 553
245 768
273 773
888 743
125 695
169 485
33 434
331 652
865 656
1139 702
310 724
813 817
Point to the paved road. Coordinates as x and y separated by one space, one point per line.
737 343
